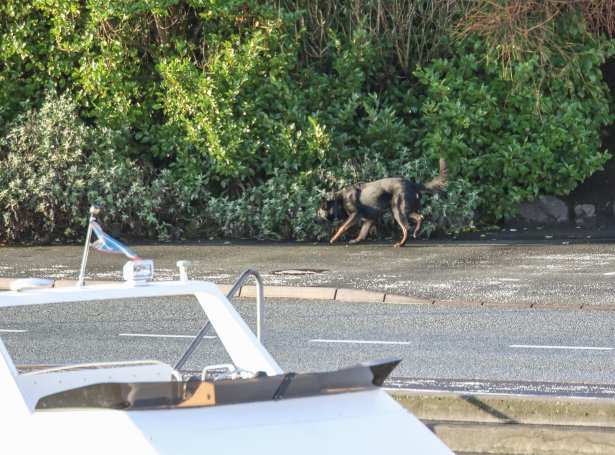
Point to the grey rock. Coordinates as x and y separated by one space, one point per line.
547 210
585 215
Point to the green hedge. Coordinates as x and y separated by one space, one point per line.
54 167
516 139
192 118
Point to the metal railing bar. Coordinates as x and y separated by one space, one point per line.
260 298
197 339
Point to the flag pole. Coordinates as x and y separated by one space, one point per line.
94 210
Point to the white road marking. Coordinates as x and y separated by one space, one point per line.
12 331
575 348
360 341
160 335
608 273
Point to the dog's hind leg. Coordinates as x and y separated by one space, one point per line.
344 227
403 224
364 231
418 218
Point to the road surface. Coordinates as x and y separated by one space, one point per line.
497 347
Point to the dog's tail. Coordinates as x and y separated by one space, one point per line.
438 184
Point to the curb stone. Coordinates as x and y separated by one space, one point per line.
355 295
482 424
402 299
312 293
352 295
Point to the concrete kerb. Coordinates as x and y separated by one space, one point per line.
520 425
526 410
309 293
353 296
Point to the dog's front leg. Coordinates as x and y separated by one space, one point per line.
367 224
344 227
404 239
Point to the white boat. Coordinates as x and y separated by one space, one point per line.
151 407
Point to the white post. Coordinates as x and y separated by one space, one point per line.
94 210
183 270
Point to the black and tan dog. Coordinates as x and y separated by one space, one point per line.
369 201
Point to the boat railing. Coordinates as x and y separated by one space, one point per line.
260 298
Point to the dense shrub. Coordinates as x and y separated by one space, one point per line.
281 208
257 110
515 139
53 167
235 117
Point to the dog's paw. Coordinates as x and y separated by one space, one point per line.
399 245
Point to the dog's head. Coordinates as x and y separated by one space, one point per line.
330 210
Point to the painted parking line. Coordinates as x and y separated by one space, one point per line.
161 335
572 348
12 331
360 341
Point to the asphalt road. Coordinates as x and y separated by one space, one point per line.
443 343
